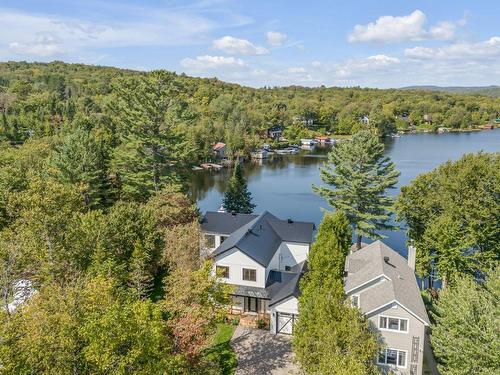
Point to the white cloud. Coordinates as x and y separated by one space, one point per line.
275 38
43 46
387 29
467 51
356 67
210 63
29 33
237 46
316 64
296 69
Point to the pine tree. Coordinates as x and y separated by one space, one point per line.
359 173
146 113
80 160
331 337
237 198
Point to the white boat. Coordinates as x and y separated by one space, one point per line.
307 142
260 154
288 150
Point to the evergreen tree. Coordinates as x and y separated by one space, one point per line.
359 173
465 336
146 113
80 160
237 198
331 337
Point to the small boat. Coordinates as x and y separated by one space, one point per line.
288 150
260 154
395 135
307 142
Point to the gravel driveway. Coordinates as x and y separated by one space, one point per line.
260 352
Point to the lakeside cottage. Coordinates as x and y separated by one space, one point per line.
219 150
275 132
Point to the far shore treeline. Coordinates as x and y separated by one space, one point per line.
38 100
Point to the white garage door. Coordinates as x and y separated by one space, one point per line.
285 322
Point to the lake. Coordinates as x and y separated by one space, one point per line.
282 184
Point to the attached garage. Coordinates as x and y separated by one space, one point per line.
285 322
284 316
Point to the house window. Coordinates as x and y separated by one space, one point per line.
393 324
392 357
223 271
249 274
355 300
209 241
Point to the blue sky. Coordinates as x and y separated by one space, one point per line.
256 43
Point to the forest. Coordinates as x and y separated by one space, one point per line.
39 100
97 230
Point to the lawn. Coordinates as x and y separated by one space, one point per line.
220 351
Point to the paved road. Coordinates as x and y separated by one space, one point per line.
260 352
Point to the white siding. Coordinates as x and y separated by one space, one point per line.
288 254
289 305
236 261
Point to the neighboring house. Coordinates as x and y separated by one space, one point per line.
264 257
382 284
275 132
219 150
365 120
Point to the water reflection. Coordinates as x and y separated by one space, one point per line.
282 184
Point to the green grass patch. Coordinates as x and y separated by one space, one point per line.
221 352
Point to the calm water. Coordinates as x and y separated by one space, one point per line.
282 185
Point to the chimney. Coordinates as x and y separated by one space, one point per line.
412 254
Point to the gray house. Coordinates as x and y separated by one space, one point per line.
382 284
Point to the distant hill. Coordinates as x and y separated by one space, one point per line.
493 91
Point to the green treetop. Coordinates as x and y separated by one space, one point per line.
465 335
359 173
331 337
452 214
237 198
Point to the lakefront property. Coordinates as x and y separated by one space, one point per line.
265 257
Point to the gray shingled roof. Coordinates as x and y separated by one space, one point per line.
262 236
368 263
224 222
288 285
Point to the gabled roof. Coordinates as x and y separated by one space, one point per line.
393 280
261 236
287 285
224 222
218 146
256 239
293 231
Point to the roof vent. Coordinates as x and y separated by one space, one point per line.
386 259
290 221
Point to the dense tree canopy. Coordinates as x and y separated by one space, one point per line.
465 336
452 215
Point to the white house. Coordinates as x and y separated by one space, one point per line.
383 285
264 257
